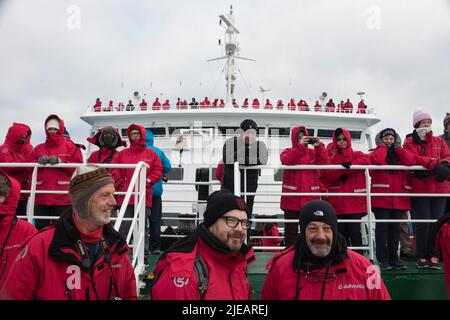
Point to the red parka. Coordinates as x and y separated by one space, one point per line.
355 279
104 154
49 267
137 152
390 181
442 242
428 154
297 181
13 231
49 178
227 278
15 150
354 182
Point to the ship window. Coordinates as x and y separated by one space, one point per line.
310 132
229 130
124 132
176 130
158 132
281 132
355 135
325 133
176 174
261 131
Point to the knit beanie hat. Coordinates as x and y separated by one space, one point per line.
318 210
219 203
52 123
419 116
446 120
5 186
85 182
248 124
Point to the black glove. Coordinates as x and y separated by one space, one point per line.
346 165
344 178
164 178
54 160
43 160
441 171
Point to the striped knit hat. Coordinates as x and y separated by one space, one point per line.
85 182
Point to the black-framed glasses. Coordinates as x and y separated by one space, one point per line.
233 222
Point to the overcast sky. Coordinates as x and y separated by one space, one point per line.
57 56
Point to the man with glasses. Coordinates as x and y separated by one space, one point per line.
318 266
211 262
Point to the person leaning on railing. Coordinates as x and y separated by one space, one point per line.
296 181
137 152
347 181
432 153
387 235
55 150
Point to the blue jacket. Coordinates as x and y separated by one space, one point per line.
157 189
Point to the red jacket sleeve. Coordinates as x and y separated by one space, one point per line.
22 279
406 157
269 289
427 162
130 291
321 155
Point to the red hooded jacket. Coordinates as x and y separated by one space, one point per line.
390 181
354 181
355 279
49 267
428 154
297 181
137 152
13 231
102 155
49 178
13 150
227 278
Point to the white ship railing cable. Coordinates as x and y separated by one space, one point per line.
368 194
137 187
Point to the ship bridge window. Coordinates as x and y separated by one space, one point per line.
356 135
176 130
158 132
325 133
229 130
176 174
279 132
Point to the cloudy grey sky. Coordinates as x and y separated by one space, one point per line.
58 56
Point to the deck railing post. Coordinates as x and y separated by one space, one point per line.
369 213
237 179
32 198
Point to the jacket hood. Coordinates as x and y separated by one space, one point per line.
379 137
15 134
294 133
346 133
8 208
60 133
141 142
95 139
150 138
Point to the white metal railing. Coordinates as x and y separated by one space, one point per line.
368 194
137 187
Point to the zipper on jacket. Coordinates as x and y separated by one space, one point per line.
4 266
88 295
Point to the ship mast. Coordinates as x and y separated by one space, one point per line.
231 54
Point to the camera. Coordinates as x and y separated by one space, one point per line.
312 140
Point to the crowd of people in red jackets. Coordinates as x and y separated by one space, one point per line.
420 147
301 105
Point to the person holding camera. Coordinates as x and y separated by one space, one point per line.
81 256
432 153
297 181
347 181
